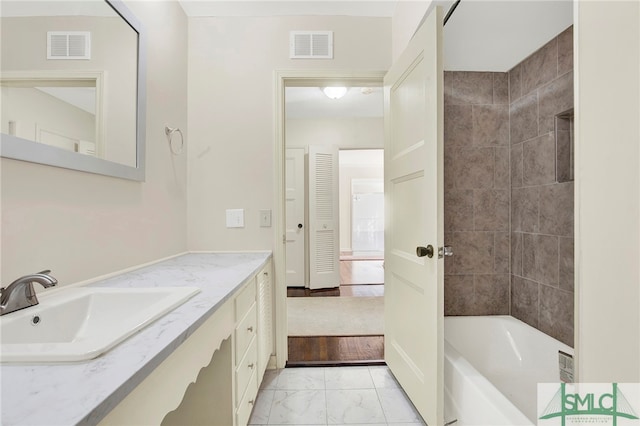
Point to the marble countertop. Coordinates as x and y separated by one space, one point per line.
82 393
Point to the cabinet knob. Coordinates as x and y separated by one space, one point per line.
250 366
251 402
250 329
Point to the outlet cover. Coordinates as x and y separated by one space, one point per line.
265 218
235 218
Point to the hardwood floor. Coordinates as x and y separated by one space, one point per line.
369 290
335 350
358 272
358 278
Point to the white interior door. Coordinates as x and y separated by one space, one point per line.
414 218
295 214
324 237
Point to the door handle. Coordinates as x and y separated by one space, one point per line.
425 251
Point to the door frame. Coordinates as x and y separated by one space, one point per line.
297 78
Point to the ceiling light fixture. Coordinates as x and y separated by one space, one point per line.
335 92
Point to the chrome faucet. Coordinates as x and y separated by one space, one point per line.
20 294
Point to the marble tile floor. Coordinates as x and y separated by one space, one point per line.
332 396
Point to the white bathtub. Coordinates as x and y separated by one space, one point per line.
492 366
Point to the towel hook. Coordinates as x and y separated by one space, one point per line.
169 131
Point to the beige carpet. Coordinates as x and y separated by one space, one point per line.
335 316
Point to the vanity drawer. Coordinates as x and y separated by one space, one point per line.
243 413
245 331
245 299
246 369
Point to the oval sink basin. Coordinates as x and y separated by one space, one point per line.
84 322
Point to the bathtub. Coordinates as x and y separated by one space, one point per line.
492 366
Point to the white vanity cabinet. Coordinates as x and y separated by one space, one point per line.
246 353
213 377
266 335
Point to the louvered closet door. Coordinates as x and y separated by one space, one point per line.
324 249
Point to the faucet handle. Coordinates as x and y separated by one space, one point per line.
46 271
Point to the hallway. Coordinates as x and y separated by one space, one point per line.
358 278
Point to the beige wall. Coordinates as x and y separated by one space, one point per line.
82 225
231 112
346 133
607 65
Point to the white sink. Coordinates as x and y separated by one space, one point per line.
81 323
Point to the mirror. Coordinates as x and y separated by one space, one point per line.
72 81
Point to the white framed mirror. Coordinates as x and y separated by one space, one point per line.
73 86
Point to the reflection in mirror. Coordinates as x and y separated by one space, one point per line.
58 109
69 79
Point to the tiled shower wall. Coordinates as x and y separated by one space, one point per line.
502 196
541 87
477 192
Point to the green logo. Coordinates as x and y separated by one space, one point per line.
587 405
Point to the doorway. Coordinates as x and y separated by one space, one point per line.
314 312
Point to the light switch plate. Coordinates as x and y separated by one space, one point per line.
265 218
235 218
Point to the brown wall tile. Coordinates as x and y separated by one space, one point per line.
564 148
524 118
539 161
458 294
474 168
450 155
500 88
541 67
524 209
516 165
472 88
565 51
516 253
490 125
491 294
556 209
458 125
524 300
554 98
540 258
566 263
556 314
515 83
458 210
502 247
473 252
501 178
491 209
526 266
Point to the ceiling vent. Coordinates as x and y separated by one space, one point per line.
68 45
311 45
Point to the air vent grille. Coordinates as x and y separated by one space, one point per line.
311 45
68 45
